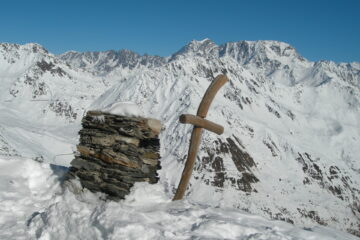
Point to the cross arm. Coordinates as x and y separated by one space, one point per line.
203 123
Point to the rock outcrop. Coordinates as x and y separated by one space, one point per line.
115 152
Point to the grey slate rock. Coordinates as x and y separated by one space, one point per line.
115 152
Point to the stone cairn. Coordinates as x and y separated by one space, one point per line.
115 152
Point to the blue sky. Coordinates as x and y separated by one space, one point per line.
318 29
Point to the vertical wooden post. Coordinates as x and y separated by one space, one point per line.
195 140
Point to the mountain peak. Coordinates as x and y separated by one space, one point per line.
199 43
203 48
261 52
28 47
278 49
35 48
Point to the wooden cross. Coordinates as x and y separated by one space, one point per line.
199 123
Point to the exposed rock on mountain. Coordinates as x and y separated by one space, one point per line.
104 63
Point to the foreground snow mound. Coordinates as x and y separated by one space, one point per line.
26 187
33 205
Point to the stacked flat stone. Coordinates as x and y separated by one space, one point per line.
115 152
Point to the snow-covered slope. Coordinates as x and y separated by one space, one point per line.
42 100
34 206
292 127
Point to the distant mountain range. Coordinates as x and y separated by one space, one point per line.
290 150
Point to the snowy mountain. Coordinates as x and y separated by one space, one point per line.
112 64
292 130
46 98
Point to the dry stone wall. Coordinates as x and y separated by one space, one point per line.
115 152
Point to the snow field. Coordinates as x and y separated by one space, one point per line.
35 206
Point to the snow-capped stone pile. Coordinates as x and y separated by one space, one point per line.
115 152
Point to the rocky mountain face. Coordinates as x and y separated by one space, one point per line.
112 65
292 129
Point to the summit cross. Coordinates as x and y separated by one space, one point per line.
199 123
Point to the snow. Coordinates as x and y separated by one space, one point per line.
41 111
124 109
33 205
